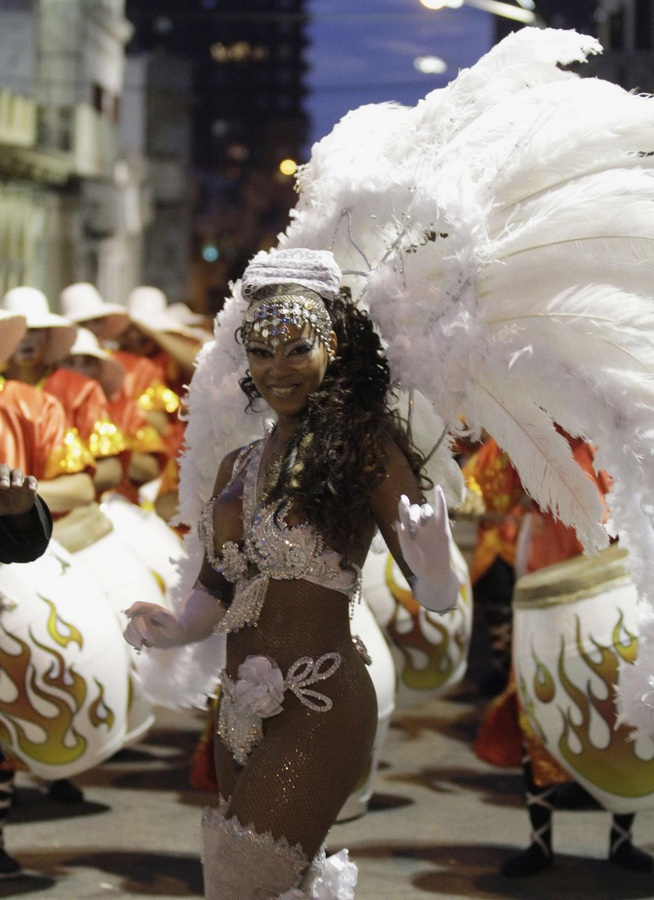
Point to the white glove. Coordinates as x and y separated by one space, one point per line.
424 535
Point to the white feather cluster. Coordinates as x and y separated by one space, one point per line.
504 228
500 235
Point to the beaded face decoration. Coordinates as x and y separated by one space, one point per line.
270 316
286 287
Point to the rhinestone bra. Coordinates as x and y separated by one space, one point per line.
271 549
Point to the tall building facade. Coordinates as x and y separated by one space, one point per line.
248 117
70 209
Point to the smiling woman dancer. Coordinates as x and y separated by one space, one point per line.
285 535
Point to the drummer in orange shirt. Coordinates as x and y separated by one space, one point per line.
157 334
142 419
38 361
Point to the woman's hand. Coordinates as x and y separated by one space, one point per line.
424 535
150 625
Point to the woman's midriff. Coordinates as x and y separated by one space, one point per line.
298 619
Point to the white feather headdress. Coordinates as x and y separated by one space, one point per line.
500 234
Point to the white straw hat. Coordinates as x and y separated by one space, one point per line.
33 304
196 322
183 314
148 310
12 329
82 302
113 374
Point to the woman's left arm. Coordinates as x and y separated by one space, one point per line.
417 534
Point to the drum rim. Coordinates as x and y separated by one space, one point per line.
534 591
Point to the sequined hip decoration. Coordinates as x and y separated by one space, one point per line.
258 692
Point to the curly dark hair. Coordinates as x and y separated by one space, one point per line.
338 448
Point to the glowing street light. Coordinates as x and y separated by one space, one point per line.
288 167
430 65
442 4
522 13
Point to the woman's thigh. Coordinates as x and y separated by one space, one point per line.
308 763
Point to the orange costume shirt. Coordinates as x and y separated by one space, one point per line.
490 472
35 435
87 409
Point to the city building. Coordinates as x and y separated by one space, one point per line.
67 208
248 123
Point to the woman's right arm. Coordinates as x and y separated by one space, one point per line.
151 625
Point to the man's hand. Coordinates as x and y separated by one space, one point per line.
17 491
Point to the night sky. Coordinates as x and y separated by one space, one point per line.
363 52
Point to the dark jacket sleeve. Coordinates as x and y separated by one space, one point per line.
26 543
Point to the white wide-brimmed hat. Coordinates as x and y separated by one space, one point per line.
33 304
196 322
82 302
148 311
12 330
182 313
113 374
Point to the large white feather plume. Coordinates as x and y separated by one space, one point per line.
500 235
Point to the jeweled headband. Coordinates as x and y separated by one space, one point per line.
274 310
287 287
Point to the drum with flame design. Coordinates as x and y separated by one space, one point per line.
574 622
430 650
93 540
156 544
64 675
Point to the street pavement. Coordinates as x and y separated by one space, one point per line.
439 825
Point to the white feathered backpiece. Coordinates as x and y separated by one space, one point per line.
501 236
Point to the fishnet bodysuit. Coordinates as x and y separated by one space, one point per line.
298 777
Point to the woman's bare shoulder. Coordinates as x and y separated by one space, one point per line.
226 468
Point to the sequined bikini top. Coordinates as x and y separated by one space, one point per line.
271 549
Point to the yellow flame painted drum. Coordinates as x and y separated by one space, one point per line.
382 672
94 542
156 544
574 622
64 676
430 651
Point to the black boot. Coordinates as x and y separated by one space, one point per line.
621 850
493 593
538 855
64 791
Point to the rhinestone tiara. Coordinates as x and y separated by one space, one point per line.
268 318
313 269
